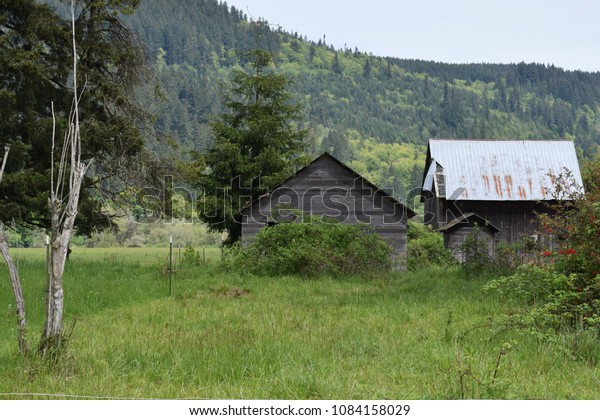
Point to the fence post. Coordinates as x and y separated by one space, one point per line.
170 265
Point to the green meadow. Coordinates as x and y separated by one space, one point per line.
425 335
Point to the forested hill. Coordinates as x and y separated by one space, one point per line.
375 113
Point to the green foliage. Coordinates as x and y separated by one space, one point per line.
562 289
257 145
397 168
426 248
315 248
507 258
129 233
477 256
387 101
36 70
530 284
191 256
337 144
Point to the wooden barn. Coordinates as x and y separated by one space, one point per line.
498 185
327 187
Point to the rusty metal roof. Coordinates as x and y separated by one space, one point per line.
502 170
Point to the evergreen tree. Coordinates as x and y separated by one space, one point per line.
451 110
35 72
257 145
336 143
312 52
336 66
367 68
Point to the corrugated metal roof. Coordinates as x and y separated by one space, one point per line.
503 170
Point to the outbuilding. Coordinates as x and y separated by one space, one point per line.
501 184
329 188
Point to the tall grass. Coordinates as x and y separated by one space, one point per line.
427 334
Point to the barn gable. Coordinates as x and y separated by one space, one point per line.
327 187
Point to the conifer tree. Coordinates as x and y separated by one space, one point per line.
35 71
257 145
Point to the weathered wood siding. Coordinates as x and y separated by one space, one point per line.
455 238
326 188
515 219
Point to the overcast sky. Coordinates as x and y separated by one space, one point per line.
565 33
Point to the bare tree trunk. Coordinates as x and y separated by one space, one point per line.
6 150
60 236
18 292
63 211
14 277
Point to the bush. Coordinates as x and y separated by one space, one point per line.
562 289
554 300
314 248
479 262
477 256
426 248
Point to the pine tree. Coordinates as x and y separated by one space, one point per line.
336 143
336 66
367 68
35 71
257 145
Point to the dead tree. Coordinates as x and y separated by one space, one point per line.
63 203
14 277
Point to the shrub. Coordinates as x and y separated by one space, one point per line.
314 248
508 258
477 256
426 248
479 261
562 289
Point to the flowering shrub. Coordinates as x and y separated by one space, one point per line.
562 289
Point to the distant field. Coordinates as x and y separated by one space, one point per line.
222 335
128 256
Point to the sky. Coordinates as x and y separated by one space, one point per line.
565 33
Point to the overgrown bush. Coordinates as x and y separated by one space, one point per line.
314 248
477 256
508 258
562 288
426 248
480 262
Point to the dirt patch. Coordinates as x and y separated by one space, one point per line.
235 292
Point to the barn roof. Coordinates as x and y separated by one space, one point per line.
325 155
499 170
469 218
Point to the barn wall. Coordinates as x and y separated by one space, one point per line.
326 188
456 237
515 219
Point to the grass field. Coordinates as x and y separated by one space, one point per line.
422 335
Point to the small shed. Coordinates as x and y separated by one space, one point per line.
328 187
457 231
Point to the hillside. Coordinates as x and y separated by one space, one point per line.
376 113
